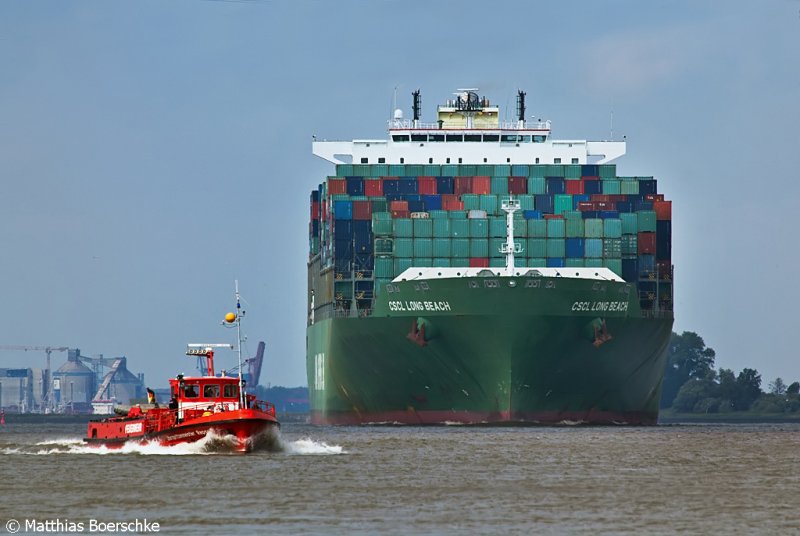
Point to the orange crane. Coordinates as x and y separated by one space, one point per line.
48 382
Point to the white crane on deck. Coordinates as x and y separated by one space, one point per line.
47 395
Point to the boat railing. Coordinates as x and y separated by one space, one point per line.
408 124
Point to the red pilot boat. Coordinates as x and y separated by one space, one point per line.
199 406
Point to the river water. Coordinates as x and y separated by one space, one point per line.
693 479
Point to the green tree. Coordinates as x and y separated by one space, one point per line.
689 358
696 395
777 387
748 385
793 389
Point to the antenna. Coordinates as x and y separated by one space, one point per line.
417 106
239 314
612 125
520 108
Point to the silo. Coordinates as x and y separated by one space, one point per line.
74 380
124 385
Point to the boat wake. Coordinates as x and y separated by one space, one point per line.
213 443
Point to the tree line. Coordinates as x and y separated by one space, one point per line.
692 385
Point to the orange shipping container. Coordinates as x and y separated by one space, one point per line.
663 210
337 186
481 185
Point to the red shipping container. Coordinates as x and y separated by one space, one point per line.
481 185
324 211
451 202
663 209
362 210
589 178
553 216
616 198
401 214
398 205
478 262
518 185
373 187
586 206
646 243
573 186
605 205
426 185
599 197
315 210
654 197
462 185
337 186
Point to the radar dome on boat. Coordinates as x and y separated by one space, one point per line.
230 318
398 114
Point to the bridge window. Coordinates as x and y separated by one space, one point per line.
435 137
454 137
381 160
419 137
191 390
509 138
574 160
230 391
430 160
539 139
211 391
491 137
472 137
399 137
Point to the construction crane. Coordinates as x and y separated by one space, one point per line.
113 363
48 381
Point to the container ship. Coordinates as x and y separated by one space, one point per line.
475 270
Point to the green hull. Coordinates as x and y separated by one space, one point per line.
478 350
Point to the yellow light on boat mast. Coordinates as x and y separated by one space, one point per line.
230 318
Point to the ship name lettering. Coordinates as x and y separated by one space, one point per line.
619 306
437 306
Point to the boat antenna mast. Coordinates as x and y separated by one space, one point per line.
235 319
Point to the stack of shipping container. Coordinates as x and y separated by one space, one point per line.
369 223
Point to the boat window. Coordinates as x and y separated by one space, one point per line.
472 137
191 390
539 139
211 391
508 138
574 160
419 137
399 137
556 160
525 139
230 391
491 137
454 137
435 137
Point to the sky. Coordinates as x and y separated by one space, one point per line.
154 151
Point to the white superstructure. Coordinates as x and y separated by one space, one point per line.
468 131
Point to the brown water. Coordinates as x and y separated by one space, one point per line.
702 479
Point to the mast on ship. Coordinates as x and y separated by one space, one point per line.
236 319
510 206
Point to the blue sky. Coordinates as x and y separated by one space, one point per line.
151 152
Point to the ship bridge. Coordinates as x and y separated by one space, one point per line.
468 130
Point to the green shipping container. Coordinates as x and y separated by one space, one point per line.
478 247
556 228
526 202
458 214
361 170
537 262
441 247
611 187
423 262
459 228
647 221
403 227
488 202
562 203
594 263
612 228
384 245
459 247
538 171
553 170
423 247
471 201
501 170
520 226
629 187
403 247
630 223
612 248
520 170
608 171
441 228
556 248
478 228
496 262
440 262
499 185
537 228
575 263
593 248
438 215
449 170
630 244
423 228
593 228
536 185
432 170
384 267
459 262
574 228
497 226
572 171
537 247
467 170
573 215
